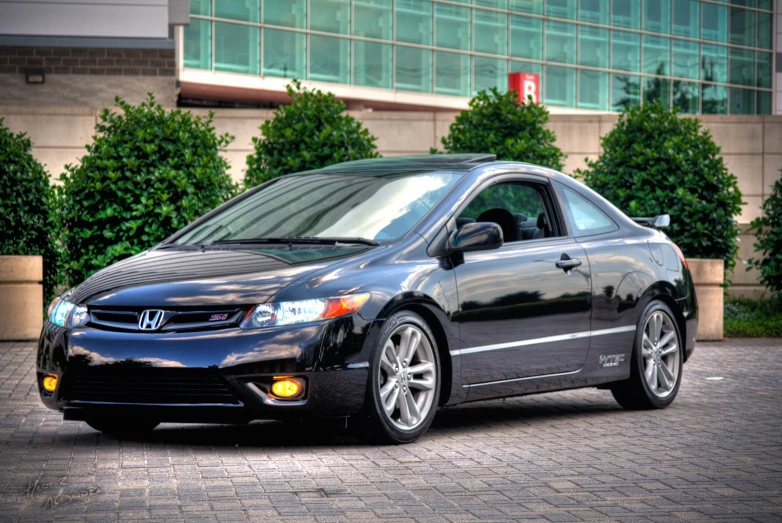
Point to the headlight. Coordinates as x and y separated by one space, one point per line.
302 311
67 314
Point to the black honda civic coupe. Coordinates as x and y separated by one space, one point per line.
378 291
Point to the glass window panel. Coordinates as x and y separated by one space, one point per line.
560 42
527 6
763 70
526 37
742 67
488 73
561 8
764 102
685 59
413 69
686 17
685 97
453 26
657 16
593 90
372 64
742 27
714 62
625 51
414 22
452 74
560 86
330 16
593 46
657 90
625 91
245 10
497 4
626 13
526 67
329 59
765 4
200 7
491 32
715 22
593 11
372 18
657 55
288 13
284 54
742 101
198 44
715 99
237 48
764 31
745 3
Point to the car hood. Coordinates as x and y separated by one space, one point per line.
193 276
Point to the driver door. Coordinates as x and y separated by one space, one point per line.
524 309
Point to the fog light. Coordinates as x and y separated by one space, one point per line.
287 388
50 383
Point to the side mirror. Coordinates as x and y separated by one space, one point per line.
479 236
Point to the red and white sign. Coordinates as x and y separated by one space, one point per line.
525 84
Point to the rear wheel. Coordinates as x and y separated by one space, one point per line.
656 366
404 383
123 427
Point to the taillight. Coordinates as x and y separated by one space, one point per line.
681 255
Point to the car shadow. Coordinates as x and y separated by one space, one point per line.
515 413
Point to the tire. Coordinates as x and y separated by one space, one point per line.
123 427
389 383
653 362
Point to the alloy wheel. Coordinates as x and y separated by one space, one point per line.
660 349
407 377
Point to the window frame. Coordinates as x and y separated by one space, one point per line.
559 188
548 197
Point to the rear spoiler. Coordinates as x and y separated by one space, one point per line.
657 222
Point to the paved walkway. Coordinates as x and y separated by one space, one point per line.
716 453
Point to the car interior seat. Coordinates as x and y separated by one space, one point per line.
506 221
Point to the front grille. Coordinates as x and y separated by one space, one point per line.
127 319
159 386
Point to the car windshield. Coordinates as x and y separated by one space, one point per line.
372 208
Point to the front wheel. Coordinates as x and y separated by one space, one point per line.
656 364
404 382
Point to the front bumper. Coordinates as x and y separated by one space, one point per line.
215 376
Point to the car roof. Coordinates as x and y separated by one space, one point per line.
395 165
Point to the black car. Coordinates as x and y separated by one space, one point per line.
377 290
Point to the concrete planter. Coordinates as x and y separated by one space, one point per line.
708 276
21 297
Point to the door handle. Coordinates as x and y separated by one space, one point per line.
568 263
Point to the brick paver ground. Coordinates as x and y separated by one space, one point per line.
716 453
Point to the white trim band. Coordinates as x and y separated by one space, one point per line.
547 339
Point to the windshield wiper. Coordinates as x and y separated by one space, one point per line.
296 239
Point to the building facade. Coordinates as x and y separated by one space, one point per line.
702 56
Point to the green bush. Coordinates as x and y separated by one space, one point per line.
310 133
768 231
745 317
496 123
655 162
27 223
148 173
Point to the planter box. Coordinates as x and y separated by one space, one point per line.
21 297
708 276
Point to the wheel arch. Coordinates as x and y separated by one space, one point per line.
434 316
665 292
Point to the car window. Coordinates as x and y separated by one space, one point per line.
517 208
587 218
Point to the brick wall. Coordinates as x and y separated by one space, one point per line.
88 61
